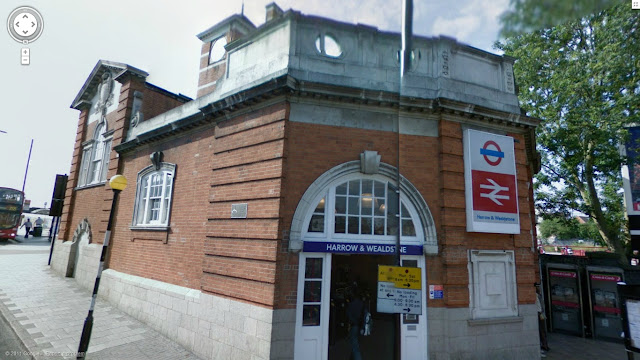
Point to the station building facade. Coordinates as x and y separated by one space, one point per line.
252 209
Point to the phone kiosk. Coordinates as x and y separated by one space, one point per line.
605 301
564 292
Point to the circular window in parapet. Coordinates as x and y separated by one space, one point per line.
327 45
217 49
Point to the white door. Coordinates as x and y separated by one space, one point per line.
414 327
312 310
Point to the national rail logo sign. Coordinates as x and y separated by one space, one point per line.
490 181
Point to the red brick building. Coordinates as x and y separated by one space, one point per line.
252 209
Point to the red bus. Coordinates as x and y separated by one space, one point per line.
11 201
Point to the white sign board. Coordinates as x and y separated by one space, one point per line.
491 183
633 314
395 300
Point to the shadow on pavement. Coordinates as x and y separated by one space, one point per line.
568 347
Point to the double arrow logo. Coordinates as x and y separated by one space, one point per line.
494 195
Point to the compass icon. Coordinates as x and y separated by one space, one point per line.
25 24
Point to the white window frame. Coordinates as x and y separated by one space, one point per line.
144 200
329 233
214 54
96 153
488 271
333 45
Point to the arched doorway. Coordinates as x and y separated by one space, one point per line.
346 227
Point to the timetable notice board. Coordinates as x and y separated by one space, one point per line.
630 296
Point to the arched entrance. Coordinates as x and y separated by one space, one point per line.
345 225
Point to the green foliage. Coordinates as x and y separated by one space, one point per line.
581 79
531 15
569 229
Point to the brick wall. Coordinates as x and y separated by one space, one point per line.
314 149
435 166
209 74
72 181
94 203
174 255
455 241
240 254
237 161
265 161
156 102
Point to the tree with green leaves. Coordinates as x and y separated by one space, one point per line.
581 79
531 15
569 229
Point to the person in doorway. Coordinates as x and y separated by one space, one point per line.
27 225
37 230
542 327
354 315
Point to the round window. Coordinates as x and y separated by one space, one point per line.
217 49
327 45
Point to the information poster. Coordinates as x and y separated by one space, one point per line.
565 301
632 188
606 305
633 314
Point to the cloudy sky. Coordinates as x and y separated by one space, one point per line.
157 36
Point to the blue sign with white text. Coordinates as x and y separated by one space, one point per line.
360 248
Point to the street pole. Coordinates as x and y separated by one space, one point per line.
54 228
117 183
405 65
27 169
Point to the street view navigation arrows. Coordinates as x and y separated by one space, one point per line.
399 289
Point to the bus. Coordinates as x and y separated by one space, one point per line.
11 201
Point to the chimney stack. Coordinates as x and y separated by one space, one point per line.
273 11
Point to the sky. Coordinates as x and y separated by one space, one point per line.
159 37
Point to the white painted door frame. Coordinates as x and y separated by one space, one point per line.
312 342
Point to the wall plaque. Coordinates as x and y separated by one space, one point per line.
239 211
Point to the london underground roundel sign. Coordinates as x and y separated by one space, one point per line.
490 181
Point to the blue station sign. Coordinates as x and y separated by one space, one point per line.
360 248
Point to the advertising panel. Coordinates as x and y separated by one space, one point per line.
631 177
491 184
565 301
606 307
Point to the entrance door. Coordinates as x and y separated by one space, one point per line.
313 325
312 311
357 276
414 327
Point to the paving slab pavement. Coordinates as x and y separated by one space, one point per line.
568 347
47 313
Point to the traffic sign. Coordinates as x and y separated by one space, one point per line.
399 290
402 277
